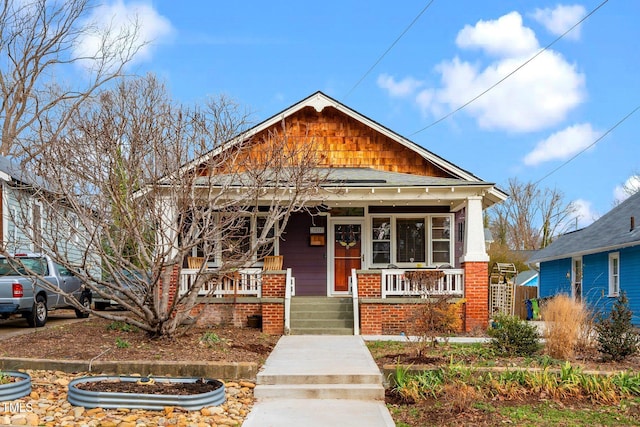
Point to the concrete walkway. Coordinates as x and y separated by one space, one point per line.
319 381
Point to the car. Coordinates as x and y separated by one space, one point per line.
32 284
132 280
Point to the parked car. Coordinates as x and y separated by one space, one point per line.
22 291
131 280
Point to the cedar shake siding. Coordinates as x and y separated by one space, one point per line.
342 141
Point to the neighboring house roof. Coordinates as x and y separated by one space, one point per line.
12 171
612 231
526 278
319 101
488 235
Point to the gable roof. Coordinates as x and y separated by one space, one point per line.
319 101
612 231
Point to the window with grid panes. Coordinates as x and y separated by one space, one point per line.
381 240
440 239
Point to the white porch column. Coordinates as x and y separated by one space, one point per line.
474 245
167 233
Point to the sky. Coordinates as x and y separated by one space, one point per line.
539 104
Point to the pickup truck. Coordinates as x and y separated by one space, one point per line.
25 295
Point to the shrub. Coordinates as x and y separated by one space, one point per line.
210 339
513 337
122 343
617 337
120 326
436 317
566 321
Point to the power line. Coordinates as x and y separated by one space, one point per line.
388 49
446 116
589 146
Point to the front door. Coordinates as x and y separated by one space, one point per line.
347 253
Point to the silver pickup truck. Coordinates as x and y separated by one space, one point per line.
26 295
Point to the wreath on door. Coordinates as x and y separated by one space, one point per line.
347 236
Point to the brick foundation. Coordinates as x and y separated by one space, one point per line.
392 316
224 311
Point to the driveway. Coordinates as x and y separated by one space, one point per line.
18 326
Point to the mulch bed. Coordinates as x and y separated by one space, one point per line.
158 387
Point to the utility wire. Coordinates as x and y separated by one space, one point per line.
388 49
589 146
446 116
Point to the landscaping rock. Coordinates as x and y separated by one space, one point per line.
48 406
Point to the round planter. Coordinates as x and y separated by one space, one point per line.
154 402
15 389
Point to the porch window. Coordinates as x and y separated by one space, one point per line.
236 238
410 239
614 274
440 239
381 240
231 238
268 249
403 239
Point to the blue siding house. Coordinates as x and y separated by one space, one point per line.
597 263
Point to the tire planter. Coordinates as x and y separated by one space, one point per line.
153 402
15 389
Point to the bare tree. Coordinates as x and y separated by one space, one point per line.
630 187
37 43
531 218
123 179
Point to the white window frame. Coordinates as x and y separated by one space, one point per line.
614 274
40 237
11 240
428 239
253 226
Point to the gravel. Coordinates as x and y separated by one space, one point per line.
48 406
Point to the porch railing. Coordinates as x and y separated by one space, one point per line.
289 291
244 282
356 305
396 283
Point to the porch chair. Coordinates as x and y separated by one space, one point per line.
195 262
272 262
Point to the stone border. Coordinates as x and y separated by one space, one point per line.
221 370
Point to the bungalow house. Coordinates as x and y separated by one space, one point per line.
399 208
597 263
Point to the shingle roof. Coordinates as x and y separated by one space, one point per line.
17 173
358 177
611 231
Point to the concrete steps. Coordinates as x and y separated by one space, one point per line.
301 368
321 316
320 391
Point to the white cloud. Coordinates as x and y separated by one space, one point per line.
402 88
504 37
622 192
557 21
584 214
120 18
536 97
563 144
